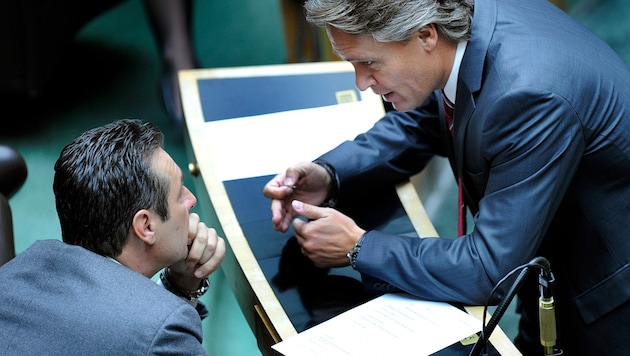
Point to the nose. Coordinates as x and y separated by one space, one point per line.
363 78
190 198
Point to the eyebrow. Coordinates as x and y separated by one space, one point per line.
352 60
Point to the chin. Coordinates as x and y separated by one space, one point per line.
400 107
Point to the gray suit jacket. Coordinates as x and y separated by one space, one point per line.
542 143
60 299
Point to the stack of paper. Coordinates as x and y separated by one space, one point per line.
393 324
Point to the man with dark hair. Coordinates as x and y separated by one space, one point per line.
125 216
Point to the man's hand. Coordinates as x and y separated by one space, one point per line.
327 237
204 257
307 181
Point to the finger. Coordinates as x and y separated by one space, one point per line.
193 218
212 240
311 212
199 244
213 259
295 173
299 229
298 224
281 214
193 224
278 187
277 212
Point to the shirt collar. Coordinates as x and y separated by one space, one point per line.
450 89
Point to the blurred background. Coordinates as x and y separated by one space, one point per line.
109 68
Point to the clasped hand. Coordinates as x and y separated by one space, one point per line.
205 255
325 235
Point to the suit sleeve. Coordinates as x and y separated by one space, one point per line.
180 334
399 145
529 144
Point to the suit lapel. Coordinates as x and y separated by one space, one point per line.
470 78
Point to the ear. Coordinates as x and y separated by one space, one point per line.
428 37
142 226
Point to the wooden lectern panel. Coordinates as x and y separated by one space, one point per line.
243 126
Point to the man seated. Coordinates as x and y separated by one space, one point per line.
125 216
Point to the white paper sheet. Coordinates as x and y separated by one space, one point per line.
393 324
268 144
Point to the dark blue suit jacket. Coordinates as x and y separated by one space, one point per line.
60 299
542 143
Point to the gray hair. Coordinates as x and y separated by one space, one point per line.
393 20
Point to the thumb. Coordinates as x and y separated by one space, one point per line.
311 212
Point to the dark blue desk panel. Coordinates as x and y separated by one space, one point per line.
227 98
309 295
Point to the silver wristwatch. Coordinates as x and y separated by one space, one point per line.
352 255
188 295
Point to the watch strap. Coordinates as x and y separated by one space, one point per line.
204 285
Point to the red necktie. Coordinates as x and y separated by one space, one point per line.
461 207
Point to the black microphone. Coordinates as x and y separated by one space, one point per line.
546 309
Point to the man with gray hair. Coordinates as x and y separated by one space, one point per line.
533 111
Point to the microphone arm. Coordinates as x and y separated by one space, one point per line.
547 311
487 329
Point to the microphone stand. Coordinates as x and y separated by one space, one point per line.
548 340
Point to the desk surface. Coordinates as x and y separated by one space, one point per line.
235 146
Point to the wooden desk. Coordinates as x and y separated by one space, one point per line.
237 140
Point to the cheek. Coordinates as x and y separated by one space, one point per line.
395 77
416 85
